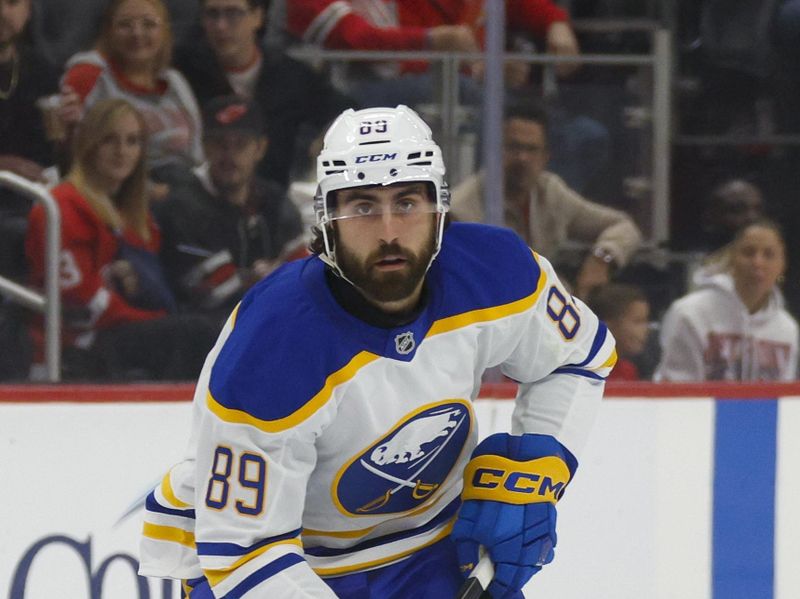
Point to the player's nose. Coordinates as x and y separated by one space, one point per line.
390 224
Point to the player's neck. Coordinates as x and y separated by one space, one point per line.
401 306
354 302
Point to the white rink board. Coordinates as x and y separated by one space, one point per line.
636 523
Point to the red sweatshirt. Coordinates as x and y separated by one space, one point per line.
336 24
88 247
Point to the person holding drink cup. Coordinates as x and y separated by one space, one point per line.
131 60
25 76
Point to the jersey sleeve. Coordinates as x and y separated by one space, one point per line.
249 478
534 16
334 24
606 228
561 360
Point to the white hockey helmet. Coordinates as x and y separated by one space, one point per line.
377 146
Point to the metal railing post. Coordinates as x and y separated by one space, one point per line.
50 302
448 70
662 119
493 100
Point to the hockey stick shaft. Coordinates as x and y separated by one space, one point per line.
479 579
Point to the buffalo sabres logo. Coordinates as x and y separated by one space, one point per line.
408 465
404 343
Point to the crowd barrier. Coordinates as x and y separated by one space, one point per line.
684 491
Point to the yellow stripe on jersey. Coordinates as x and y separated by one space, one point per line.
234 314
342 375
216 576
169 494
339 534
612 360
388 559
486 314
168 533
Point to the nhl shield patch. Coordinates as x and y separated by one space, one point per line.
408 464
404 343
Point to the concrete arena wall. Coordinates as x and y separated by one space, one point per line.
684 491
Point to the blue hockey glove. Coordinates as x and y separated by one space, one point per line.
511 486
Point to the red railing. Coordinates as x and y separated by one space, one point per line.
168 392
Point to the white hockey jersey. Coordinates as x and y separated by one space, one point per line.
323 446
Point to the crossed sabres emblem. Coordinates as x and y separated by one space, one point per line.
405 446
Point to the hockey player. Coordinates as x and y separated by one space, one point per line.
335 448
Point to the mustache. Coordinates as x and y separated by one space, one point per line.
391 249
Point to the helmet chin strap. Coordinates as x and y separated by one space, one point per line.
329 256
440 216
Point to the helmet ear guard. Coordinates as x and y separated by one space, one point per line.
377 146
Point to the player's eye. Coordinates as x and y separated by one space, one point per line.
406 206
363 209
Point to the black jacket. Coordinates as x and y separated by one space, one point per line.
295 100
21 124
208 244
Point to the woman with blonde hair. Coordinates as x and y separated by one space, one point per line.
116 303
735 327
131 60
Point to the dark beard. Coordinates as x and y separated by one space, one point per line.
388 286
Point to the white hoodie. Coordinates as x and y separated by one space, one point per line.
709 335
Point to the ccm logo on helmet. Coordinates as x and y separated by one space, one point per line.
516 482
375 158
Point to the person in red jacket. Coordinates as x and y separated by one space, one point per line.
114 297
455 25
442 25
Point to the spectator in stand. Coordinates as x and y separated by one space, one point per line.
293 98
626 312
131 60
25 77
543 210
581 145
224 228
116 302
735 327
731 205
451 25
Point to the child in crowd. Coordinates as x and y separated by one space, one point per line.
626 312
